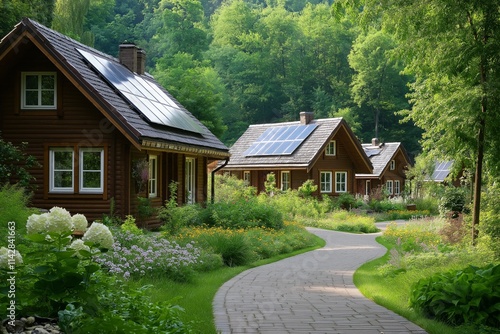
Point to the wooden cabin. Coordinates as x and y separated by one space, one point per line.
323 150
106 134
390 163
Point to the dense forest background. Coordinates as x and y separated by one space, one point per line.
240 62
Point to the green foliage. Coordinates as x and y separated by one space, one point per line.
270 184
167 214
307 188
13 207
130 226
453 200
230 189
233 247
342 220
346 201
468 296
15 164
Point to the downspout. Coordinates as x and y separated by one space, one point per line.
212 186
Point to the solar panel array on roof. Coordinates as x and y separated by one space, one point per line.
442 170
144 95
280 140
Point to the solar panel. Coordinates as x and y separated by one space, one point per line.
442 170
147 98
280 140
370 152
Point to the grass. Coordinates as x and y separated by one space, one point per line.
393 292
198 295
345 221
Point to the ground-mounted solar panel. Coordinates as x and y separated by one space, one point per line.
280 140
147 98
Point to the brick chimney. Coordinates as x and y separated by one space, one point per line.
306 117
128 56
141 61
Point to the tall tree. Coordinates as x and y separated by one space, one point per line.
12 11
69 19
377 86
452 48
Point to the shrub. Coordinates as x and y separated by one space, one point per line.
469 296
130 226
307 188
342 220
453 200
346 201
233 246
13 206
14 164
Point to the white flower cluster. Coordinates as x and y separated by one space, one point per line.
78 245
79 222
4 258
100 235
57 220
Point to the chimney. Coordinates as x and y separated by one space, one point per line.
128 55
375 142
306 117
141 61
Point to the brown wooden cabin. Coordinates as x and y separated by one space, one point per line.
390 163
326 151
89 135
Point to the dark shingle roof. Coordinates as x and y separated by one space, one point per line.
380 156
303 156
64 49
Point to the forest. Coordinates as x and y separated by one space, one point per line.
240 62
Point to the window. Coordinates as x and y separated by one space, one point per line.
61 164
331 148
392 166
91 170
246 177
388 187
325 182
153 176
38 90
340 182
397 188
190 180
368 187
285 181
87 176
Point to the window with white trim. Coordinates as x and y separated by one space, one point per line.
91 170
246 177
389 187
285 180
153 176
325 182
331 148
397 188
190 180
340 182
61 167
392 165
38 90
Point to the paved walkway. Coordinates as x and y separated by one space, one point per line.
308 293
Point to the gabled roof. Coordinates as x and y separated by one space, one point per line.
380 156
307 152
62 52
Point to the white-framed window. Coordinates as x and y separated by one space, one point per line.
38 90
91 170
247 177
325 182
285 180
190 180
153 176
340 182
331 148
368 187
392 165
389 187
397 187
61 170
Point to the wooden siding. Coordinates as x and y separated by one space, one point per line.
76 123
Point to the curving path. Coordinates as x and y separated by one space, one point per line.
308 293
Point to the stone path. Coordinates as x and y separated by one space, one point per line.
308 293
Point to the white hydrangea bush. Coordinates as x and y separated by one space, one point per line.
99 234
59 221
79 222
4 258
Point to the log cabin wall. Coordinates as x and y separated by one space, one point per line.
75 123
